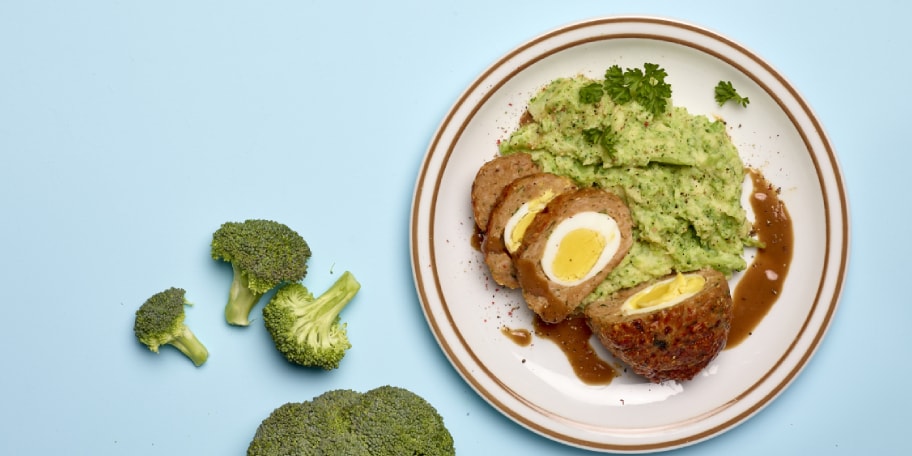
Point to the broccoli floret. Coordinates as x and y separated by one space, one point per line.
385 421
394 420
336 405
264 255
307 429
307 330
160 321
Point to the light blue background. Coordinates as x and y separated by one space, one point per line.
129 131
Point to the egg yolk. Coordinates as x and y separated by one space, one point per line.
577 253
579 247
665 294
520 221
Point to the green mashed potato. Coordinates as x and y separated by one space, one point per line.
680 175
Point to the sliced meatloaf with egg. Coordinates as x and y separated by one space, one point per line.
518 204
545 254
674 342
490 180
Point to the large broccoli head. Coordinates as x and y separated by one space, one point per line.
306 429
385 421
308 330
160 321
395 421
264 254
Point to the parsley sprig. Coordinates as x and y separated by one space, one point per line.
725 92
646 87
605 137
591 93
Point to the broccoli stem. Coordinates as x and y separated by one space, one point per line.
240 300
189 345
331 303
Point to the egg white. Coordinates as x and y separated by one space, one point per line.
596 221
530 208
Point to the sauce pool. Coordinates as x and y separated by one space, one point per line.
521 337
762 282
572 336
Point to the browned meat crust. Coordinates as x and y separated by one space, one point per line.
492 178
674 343
517 193
554 302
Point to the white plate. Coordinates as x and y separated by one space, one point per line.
535 385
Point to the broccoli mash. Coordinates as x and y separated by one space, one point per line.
679 174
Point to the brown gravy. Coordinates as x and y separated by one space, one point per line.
762 282
572 336
477 239
521 337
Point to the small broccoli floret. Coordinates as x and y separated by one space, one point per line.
385 421
394 420
160 321
307 330
264 255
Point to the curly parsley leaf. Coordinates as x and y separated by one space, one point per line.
605 137
616 85
647 86
725 92
591 93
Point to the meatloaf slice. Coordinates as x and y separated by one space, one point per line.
492 178
534 189
672 343
550 300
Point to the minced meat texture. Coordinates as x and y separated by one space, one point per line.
674 343
492 178
552 301
519 192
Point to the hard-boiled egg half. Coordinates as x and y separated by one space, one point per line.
516 226
579 247
664 294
